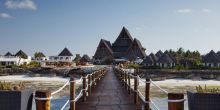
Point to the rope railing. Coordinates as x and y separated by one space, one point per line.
87 81
175 100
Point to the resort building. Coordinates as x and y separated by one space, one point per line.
218 53
125 48
166 61
159 54
65 58
20 58
40 57
150 60
211 60
85 60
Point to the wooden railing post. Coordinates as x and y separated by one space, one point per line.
147 94
172 101
84 87
72 94
126 86
45 103
89 86
129 84
135 89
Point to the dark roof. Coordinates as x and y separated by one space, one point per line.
218 53
85 58
166 58
148 60
154 57
123 41
107 44
8 54
21 54
77 58
140 47
211 57
159 54
40 54
65 52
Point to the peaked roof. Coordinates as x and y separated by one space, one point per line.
65 52
154 57
40 54
8 54
166 58
21 54
77 58
107 44
159 54
218 53
123 40
148 60
211 57
136 41
85 58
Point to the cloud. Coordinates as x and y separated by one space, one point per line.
205 10
20 4
186 10
5 15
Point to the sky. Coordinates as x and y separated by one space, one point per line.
49 26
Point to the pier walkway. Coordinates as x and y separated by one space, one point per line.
109 94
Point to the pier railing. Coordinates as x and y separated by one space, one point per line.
175 100
43 97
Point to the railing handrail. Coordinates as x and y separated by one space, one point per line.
68 82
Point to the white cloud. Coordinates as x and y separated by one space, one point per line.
205 10
20 4
5 15
186 10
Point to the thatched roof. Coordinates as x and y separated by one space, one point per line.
159 54
123 41
166 58
211 57
40 54
8 54
107 44
77 58
85 58
218 53
154 57
148 60
21 54
65 52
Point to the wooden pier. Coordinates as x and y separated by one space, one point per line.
110 89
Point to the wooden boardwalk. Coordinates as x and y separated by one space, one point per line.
109 94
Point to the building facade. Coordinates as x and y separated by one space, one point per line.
124 48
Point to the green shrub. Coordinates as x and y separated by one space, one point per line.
5 86
200 89
135 66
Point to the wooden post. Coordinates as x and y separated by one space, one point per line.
89 86
126 86
147 94
135 89
43 104
93 82
72 94
175 105
84 87
129 84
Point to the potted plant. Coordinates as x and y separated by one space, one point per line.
15 98
204 99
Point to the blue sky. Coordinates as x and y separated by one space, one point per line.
51 25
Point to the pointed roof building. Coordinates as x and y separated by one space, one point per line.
154 57
85 58
21 54
77 58
159 54
211 57
218 53
166 58
103 50
8 54
65 52
148 60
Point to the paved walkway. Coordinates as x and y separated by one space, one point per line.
108 95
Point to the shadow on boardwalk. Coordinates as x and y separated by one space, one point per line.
109 94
